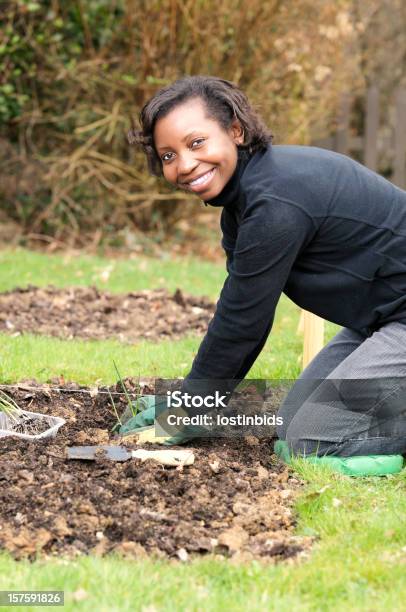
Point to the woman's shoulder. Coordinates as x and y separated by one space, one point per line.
295 173
298 158
319 181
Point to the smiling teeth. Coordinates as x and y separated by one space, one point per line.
202 179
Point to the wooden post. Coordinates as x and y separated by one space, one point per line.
300 327
399 175
313 342
343 122
371 131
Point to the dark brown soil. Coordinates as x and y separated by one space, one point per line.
235 501
86 312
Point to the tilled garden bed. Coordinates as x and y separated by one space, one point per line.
235 501
89 313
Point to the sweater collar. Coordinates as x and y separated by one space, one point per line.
231 193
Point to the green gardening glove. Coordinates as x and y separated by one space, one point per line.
141 415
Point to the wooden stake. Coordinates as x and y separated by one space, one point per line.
300 327
313 341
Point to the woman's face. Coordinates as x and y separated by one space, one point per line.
197 154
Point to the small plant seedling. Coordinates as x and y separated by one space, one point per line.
9 407
130 404
119 422
134 409
20 422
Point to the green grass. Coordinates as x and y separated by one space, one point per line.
30 356
19 268
359 558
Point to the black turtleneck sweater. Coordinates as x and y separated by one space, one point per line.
313 224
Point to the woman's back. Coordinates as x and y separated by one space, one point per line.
352 266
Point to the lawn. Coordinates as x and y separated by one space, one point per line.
359 556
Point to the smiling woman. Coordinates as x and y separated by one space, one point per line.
313 224
210 115
203 160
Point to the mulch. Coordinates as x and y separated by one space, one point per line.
89 313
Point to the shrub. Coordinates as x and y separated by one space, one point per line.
75 74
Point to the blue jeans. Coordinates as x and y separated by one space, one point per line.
351 399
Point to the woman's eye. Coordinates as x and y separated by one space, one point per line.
163 157
198 140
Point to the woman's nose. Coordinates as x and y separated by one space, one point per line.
186 163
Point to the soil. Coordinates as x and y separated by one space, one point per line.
86 312
235 501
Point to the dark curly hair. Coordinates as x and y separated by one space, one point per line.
224 102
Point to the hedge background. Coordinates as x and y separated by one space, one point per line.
75 73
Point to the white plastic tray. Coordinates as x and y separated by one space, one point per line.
54 424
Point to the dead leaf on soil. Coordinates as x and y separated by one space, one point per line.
234 538
60 527
130 549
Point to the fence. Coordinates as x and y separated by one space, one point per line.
369 147
372 143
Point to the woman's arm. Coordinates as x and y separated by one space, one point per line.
229 227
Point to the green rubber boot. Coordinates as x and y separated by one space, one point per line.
363 465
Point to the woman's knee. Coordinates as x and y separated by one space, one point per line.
302 447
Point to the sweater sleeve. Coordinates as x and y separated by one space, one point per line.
269 239
229 228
